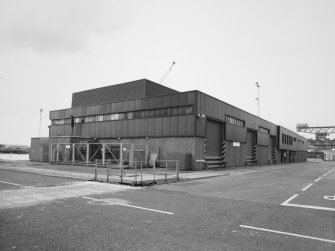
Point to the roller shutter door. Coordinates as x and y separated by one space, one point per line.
251 141
213 138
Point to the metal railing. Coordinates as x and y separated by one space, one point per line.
137 173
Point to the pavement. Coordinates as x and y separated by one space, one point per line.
147 176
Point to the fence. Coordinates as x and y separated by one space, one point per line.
112 154
139 174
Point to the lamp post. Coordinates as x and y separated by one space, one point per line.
39 131
257 96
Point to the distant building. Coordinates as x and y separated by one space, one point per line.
210 131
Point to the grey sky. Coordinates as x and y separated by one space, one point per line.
50 49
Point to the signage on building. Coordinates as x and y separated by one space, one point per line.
236 144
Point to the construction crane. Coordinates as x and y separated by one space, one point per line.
321 132
167 72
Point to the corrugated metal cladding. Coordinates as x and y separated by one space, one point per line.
218 109
263 139
120 92
181 99
236 133
213 138
153 127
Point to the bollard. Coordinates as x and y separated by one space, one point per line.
107 173
121 173
141 173
95 170
166 167
135 172
177 169
154 167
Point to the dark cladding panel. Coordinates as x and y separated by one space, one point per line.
263 139
144 127
131 128
86 130
103 130
166 126
235 133
118 128
182 126
137 127
151 127
159 127
125 128
190 120
174 126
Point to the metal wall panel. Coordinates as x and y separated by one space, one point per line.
235 133
159 127
217 109
263 139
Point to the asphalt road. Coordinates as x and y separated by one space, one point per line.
278 209
14 180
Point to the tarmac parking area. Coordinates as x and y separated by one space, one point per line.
319 194
279 208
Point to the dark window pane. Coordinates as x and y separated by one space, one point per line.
189 109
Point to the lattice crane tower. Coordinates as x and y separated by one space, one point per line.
321 132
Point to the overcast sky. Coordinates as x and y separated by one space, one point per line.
50 49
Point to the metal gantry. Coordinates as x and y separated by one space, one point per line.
319 131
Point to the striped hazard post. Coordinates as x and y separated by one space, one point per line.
274 155
223 153
255 154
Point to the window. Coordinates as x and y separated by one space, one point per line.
263 130
122 116
130 115
161 112
99 118
166 112
189 109
235 121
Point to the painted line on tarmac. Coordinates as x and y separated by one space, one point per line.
309 207
318 179
308 186
11 183
287 201
287 233
126 205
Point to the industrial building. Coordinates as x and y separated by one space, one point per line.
187 125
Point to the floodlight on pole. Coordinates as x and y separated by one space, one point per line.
257 96
39 131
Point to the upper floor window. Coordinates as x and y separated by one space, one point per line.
235 121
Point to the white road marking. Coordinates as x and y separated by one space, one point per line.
287 233
329 197
305 188
309 207
11 183
287 201
318 179
126 205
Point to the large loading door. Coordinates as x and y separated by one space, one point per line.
251 142
213 138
